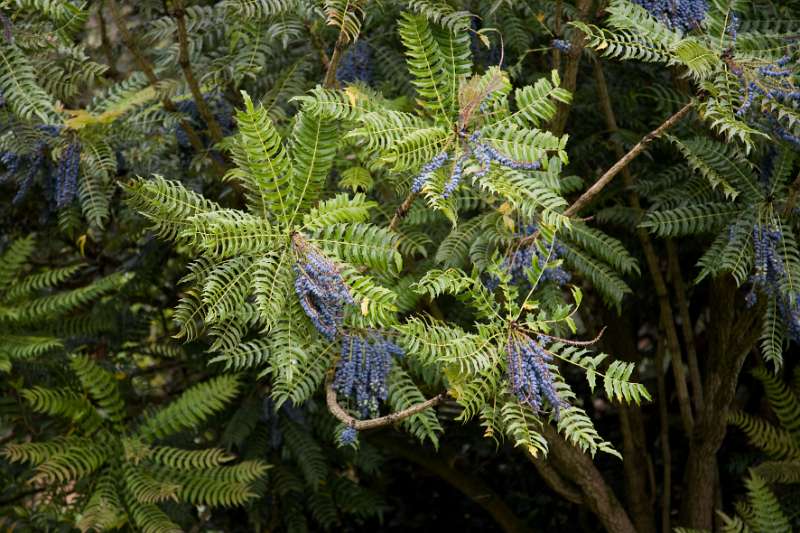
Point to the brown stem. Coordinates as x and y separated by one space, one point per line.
149 72
668 324
471 486
556 51
338 48
666 452
686 324
402 211
372 423
333 65
569 79
214 129
666 315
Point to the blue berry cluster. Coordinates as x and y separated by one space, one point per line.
769 275
561 44
356 64
486 155
427 171
362 370
768 265
683 15
348 436
320 288
518 262
67 174
783 133
483 153
775 82
26 167
530 378
733 26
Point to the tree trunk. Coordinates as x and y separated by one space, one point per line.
579 468
733 333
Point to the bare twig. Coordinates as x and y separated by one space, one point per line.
372 423
623 162
402 211
147 68
214 129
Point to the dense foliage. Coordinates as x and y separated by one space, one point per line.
296 265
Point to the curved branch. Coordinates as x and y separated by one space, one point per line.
621 164
372 423
555 481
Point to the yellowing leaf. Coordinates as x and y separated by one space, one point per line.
353 94
505 208
82 244
365 306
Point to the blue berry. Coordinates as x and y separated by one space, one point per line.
348 436
356 64
322 292
363 368
560 44
427 171
683 15
67 174
518 263
530 378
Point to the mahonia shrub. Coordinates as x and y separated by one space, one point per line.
252 250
